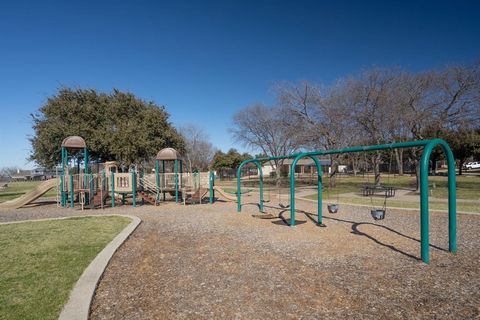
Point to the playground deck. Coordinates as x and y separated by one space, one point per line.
209 262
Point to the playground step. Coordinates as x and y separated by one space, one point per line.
148 197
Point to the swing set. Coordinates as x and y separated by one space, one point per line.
427 145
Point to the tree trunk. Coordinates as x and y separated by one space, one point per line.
354 166
417 175
399 159
376 167
460 166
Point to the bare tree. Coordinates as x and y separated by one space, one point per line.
198 149
371 100
322 121
268 129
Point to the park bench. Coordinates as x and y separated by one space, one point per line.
371 189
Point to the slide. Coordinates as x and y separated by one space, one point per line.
229 197
30 196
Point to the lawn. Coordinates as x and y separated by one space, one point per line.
41 261
17 189
378 203
468 187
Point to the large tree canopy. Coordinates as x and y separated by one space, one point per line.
116 126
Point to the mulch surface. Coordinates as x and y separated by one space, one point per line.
209 262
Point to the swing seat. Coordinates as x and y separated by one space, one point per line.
264 216
284 206
332 208
378 214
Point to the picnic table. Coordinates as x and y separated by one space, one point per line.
371 189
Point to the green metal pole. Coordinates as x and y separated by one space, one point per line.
292 192
320 198
239 185
259 166
181 173
157 178
163 171
175 168
212 183
85 156
134 190
104 185
123 198
72 192
319 187
62 191
452 200
424 236
113 189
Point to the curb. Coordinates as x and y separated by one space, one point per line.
78 305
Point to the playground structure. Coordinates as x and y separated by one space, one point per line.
107 185
427 145
78 183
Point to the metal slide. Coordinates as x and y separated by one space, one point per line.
30 196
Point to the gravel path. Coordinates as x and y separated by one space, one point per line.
208 262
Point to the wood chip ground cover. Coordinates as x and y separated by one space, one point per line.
209 262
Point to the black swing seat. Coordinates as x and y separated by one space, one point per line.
284 206
371 189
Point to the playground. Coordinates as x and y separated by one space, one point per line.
208 261
205 250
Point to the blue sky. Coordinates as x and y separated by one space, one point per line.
205 60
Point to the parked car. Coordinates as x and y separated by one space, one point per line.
473 165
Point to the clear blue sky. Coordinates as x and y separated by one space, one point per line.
204 60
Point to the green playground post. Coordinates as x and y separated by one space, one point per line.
175 168
123 198
212 184
62 191
452 206
157 178
292 187
163 171
181 173
239 186
113 189
72 192
134 190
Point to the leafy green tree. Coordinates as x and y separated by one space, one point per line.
116 126
231 160
465 143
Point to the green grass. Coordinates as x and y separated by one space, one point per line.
41 261
436 205
468 187
17 189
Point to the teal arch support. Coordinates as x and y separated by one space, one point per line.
211 181
175 167
427 145
292 187
239 191
452 196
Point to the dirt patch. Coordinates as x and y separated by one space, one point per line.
209 262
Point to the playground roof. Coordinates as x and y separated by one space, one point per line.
168 154
74 142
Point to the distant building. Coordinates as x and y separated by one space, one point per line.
36 174
304 167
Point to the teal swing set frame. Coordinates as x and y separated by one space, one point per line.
427 145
